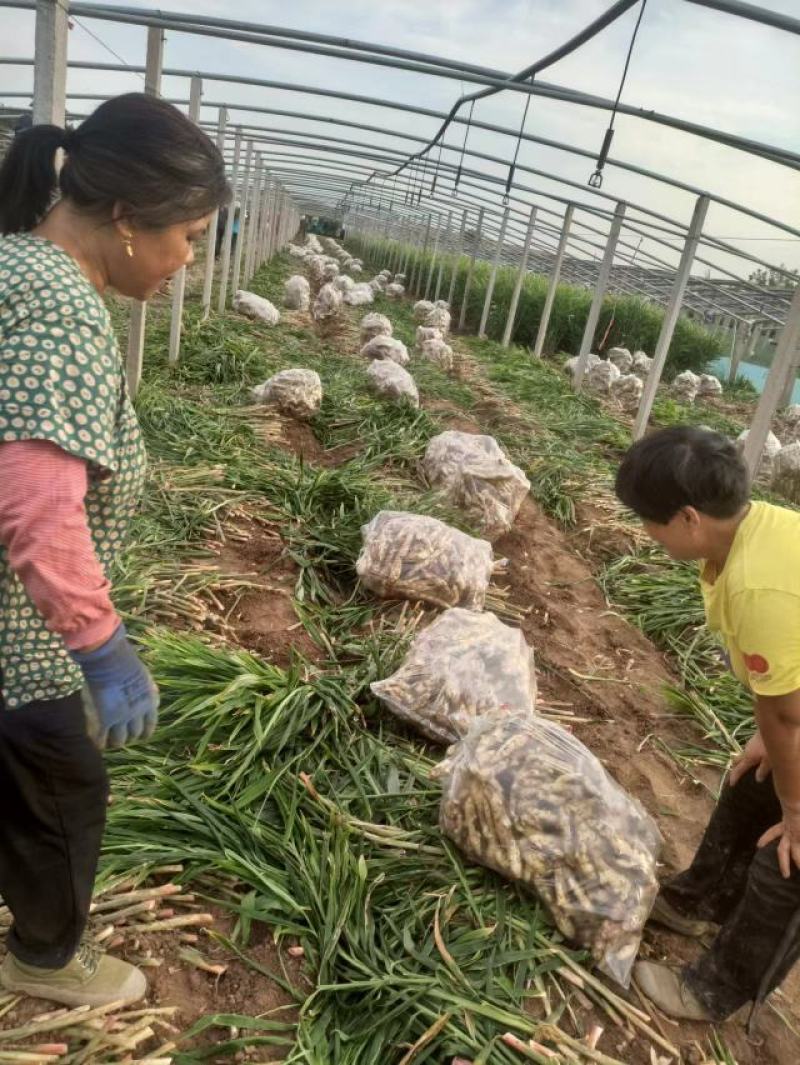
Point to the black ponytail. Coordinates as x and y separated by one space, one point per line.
28 177
134 150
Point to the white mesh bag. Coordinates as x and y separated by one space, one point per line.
359 295
253 306
297 293
685 387
383 347
478 477
622 359
463 665
601 377
391 381
524 797
327 304
414 556
439 352
295 392
373 325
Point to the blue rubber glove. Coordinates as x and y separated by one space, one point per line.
124 694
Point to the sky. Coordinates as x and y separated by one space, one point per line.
689 62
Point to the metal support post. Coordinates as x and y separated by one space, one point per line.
211 243
262 242
552 288
252 228
265 219
671 316
179 280
228 238
397 250
445 245
152 86
269 196
429 282
493 275
246 193
406 256
416 251
471 269
603 275
272 210
50 62
741 337
785 354
457 258
423 250
791 377
755 336
523 269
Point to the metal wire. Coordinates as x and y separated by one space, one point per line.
596 179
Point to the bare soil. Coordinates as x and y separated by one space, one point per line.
593 661
264 619
194 993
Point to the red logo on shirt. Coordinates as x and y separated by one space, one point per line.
756 663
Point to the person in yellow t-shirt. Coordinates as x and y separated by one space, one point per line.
691 489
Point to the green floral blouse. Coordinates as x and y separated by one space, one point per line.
61 380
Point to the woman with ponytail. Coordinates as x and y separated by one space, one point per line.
136 188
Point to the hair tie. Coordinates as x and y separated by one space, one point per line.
68 140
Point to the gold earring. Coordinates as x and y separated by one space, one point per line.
127 240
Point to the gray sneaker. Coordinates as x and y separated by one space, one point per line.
667 989
91 978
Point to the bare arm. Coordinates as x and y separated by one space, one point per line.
778 718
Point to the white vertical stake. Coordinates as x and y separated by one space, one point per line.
50 62
523 269
457 258
211 243
271 196
138 318
179 280
257 219
247 192
228 239
740 338
671 316
471 270
487 303
603 275
434 256
791 378
785 354
547 310
446 245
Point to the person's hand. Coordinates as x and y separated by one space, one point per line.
124 694
754 754
788 832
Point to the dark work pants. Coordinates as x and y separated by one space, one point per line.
53 797
740 887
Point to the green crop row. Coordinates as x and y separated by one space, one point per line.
629 321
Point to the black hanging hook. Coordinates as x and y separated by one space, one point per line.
464 146
596 179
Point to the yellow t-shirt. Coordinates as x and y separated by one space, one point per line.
755 602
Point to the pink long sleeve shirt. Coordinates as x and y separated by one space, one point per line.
43 528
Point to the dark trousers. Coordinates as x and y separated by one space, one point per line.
733 883
53 797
